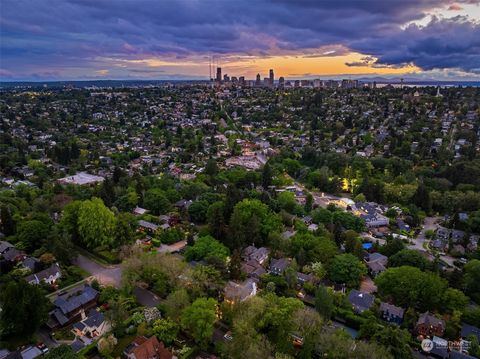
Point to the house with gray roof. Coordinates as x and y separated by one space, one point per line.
391 313
238 292
360 301
69 307
278 266
93 326
49 275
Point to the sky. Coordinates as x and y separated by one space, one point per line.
53 40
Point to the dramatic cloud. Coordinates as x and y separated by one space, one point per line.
67 37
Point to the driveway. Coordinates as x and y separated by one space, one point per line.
110 275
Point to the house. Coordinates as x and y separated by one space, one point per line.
402 225
151 348
49 275
93 326
303 278
442 234
147 226
31 353
258 254
138 211
12 254
391 313
4 246
253 269
468 330
429 325
70 307
31 263
238 292
376 263
360 301
82 179
278 266
457 235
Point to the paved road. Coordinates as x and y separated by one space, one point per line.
105 275
430 223
146 297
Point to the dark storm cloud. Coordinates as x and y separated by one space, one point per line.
61 35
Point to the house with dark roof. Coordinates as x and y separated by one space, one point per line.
391 313
429 325
278 266
4 245
376 263
49 275
69 308
92 326
147 226
468 330
253 253
360 301
31 263
253 269
303 278
12 254
238 292
151 348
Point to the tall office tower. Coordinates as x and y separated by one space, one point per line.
258 81
271 77
219 74
226 78
281 81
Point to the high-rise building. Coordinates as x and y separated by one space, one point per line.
271 77
219 74
258 80
281 81
226 78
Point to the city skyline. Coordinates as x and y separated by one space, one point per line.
86 40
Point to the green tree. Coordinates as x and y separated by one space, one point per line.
472 279
198 211
410 287
286 201
96 223
308 202
267 175
322 215
205 247
346 268
211 167
176 302
165 330
198 320
32 234
324 302
409 257
24 309
156 201
7 223
124 229
63 351
216 220
251 222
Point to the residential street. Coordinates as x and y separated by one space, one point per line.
105 275
430 223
